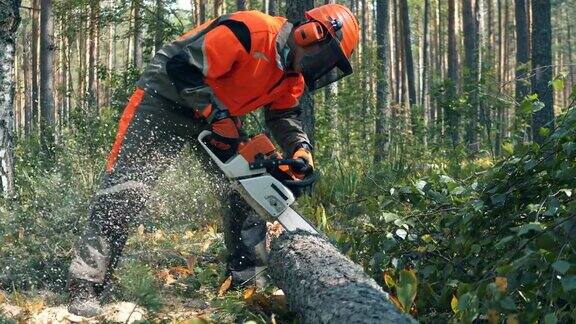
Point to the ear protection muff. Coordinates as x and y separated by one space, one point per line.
309 33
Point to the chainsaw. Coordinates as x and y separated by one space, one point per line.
262 178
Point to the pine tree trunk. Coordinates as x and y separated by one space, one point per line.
382 140
522 52
409 64
295 12
80 69
26 59
324 286
364 65
137 50
451 114
569 41
159 25
217 7
92 55
272 7
471 73
541 62
398 53
9 21
424 102
201 11
34 126
47 47
64 71
240 4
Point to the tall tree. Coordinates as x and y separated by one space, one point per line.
240 4
34 65
272 7
47 47
451 112
425 43
409 60
522 50
93 53
542 62
471 59
382 87
9 21
137 49
158 25
569 41
425 54
26 62
295 12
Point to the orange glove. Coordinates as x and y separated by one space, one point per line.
225 138
305 154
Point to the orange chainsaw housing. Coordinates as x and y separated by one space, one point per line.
261 144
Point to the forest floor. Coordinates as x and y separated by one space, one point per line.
168 275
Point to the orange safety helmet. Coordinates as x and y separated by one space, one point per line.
340 23
335 28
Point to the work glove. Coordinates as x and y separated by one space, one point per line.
225 138
304 153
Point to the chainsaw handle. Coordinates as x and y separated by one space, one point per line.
299 164
309 180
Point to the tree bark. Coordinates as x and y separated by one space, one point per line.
93 55
323 286
26 59
272 7
382 140
34 66
569 40
240 4
47 47
137 50
295 12
201 11
471 50
424 102
159 25
522 51
451 113
541 62
407 38
9 21
397 54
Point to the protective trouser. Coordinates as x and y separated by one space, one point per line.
151 134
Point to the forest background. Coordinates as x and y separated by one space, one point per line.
447 158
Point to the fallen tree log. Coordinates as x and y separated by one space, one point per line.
324 286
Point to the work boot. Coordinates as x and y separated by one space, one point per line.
84 301
243 276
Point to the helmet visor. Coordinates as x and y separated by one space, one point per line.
326 65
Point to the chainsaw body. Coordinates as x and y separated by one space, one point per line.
250 174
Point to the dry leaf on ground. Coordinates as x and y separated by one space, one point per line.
225 286
249 292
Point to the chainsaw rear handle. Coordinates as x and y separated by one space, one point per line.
306 182
298 165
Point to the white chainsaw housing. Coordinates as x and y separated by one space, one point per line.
236 167
264 193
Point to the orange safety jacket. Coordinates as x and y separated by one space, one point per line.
234 62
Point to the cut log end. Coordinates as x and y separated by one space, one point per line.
324 286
